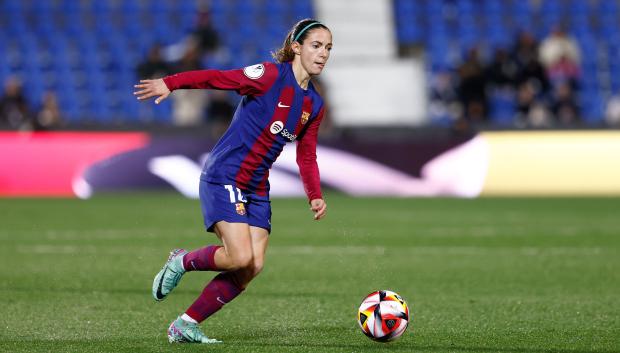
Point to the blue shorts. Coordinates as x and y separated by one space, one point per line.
228 203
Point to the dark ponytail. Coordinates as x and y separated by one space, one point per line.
298 33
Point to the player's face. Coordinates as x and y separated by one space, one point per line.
315 50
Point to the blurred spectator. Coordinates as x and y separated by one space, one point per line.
533 72
525 49
558 45
564 106
526 96
444 102
564 71
471 88
539 116
532 84
560 56
529 68
502 71
154 66
48 116
612 111
189 105
14 111
205 34
531 111
190 60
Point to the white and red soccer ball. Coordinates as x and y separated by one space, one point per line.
383 316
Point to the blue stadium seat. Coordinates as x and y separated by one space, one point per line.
301 9
11 7
4 70
275 8
466 8
449 26
76 46
592 107
608 7
406 7
578 7
163 112
614 83
410 33
521 8
502 108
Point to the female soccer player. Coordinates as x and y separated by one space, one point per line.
279 105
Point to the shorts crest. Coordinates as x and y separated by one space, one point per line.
240 208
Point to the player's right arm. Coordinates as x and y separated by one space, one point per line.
252 80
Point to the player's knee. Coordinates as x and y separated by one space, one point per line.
257 267
241 260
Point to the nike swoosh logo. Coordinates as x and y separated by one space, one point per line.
159 294
220 300
280 105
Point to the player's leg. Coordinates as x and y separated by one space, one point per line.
226 286
260 239
241 257
236 255
224 206
259 218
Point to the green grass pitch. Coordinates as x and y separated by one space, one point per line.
485 275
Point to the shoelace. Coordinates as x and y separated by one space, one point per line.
194 333
174 279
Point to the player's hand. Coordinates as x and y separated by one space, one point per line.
319 207
152 88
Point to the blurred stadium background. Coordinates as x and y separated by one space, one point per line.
433 80
87 52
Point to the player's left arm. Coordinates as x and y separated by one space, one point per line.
308 167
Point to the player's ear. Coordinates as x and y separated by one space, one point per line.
296 48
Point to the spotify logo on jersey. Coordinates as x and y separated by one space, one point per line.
276 127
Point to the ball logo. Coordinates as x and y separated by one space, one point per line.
276 127
255 71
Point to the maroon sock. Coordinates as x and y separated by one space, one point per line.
202 259
221 290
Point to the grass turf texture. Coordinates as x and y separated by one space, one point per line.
485 275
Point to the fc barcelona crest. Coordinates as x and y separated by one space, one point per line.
240 208
304 117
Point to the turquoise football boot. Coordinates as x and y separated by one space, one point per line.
170 275
181 331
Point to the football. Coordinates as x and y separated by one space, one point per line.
383 316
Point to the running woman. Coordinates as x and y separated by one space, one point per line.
280 104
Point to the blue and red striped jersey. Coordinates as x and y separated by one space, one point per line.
274 110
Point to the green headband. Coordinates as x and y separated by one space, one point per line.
305 28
